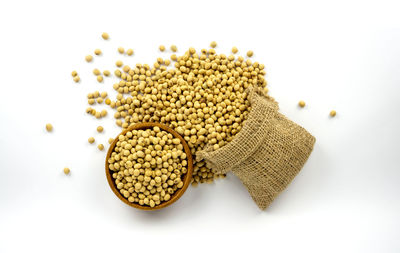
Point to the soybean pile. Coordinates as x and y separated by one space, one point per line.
148 166
200 94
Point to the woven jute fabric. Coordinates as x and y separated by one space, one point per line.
266 154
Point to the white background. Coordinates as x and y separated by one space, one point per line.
341 55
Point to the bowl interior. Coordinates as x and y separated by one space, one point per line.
186 179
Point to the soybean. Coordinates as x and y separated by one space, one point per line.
96 72
49 127
129 52
89 58
105 36
174 48
118 63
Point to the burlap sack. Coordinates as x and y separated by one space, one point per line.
266 154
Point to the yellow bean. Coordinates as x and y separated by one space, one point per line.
89 58
129 52
49 127
105 36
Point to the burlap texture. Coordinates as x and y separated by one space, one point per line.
266 154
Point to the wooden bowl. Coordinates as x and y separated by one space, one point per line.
186 179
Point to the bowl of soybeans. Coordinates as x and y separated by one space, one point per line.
149 166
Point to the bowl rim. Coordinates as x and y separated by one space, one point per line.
186 180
